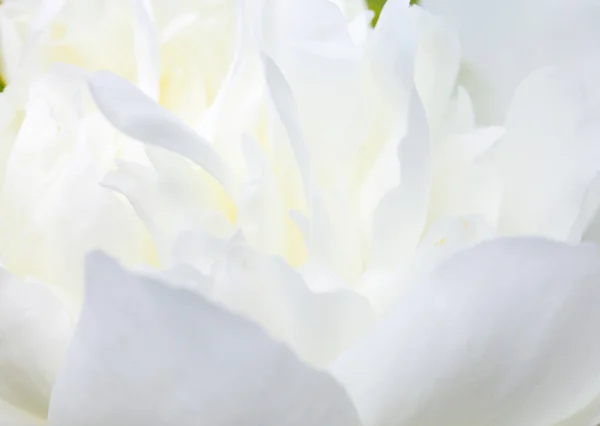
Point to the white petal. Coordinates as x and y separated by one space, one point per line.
198 43
446 236
136 115
549 157
147 354
503 334
52 208
12 46
390 57
359 18
590 416
10 415
505 40
35 330
310 41
437 64
336 241
240 99
588 219
460 185
175 197
399 219
147 49
261 212
283 100
10 122
199 249
45 12
317 326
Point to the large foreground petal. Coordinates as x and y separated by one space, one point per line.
148 354
504 334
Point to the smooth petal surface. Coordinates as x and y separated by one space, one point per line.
9 415
504 41
52 208
390 56
35 330
10 40
147 49
149 354
285 107
310 41
317 326
549 158
137 116
317 322
400 217
359 17
503 334
460 184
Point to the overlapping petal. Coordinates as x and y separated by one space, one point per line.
35 330
148 354
504 41
501 334
52 208
309 174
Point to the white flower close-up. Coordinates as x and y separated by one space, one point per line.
271 212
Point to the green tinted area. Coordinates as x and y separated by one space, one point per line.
377 5
2 83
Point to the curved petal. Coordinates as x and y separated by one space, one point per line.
261 211
390 57
148 354
549 157
9 415
136 115
283 100
460 185
147 49
317 326
587 417
52 208
35 330
400 217
503 334
505 40
239 101
197 46
310 41
11 40
359 18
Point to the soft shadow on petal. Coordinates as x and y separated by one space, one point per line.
35 330
9 415
148 354
137 116
503 334
503 41
549 158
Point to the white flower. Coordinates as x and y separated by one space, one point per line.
502 334
311 176
179 54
